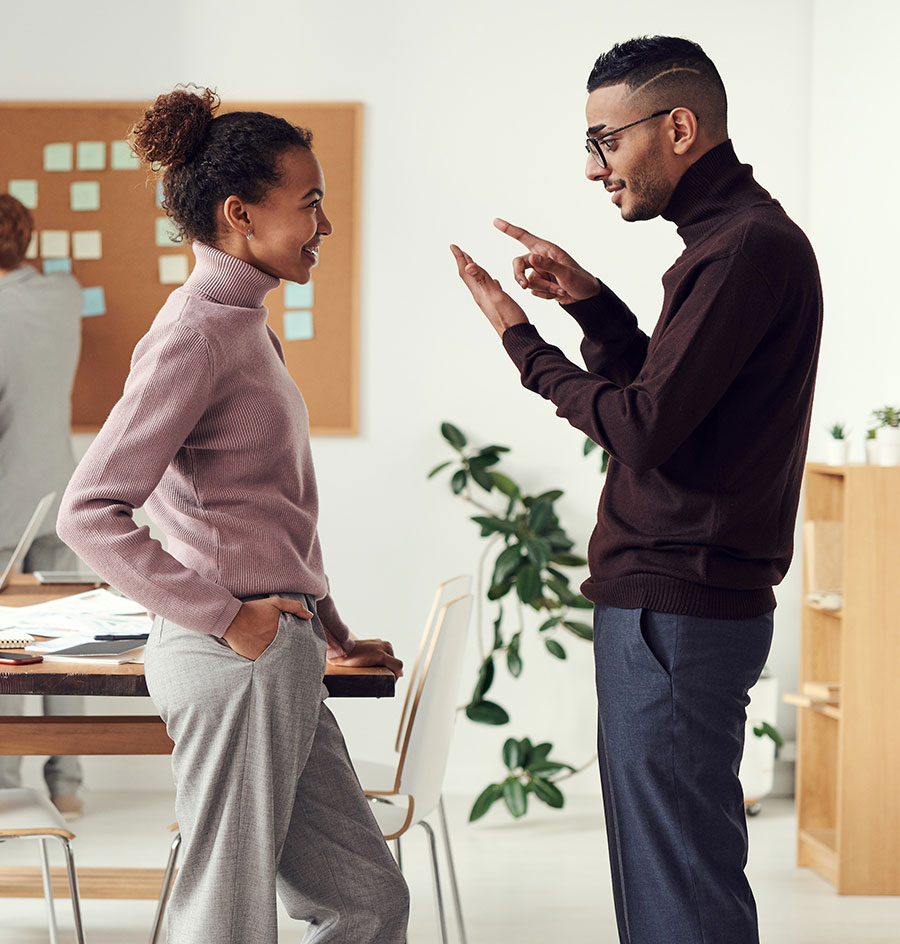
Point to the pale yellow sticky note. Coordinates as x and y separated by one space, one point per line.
90 155
32 251
86 244
166 232
121 157
84 195
54 244
173 270
58 157
25 191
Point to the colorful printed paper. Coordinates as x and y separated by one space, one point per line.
58 157
25 191
93 301
166 232
84 195
298 296
86 244
121 157
54 244
298 326
90 155
57 265
173 270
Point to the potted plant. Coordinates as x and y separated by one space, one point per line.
888 435
872 446
757 773
838 445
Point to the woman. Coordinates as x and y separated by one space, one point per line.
212 434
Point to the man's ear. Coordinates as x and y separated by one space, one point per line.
234 213
684 130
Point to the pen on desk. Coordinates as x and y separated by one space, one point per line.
112 637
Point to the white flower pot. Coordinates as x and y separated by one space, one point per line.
872 451
838 450
888 442
757 773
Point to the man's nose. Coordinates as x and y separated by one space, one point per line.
593 171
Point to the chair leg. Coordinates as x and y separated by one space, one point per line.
48 891
73 889
435 871
453 885
398 855
166 889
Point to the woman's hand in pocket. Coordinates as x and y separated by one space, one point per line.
255 627
371 652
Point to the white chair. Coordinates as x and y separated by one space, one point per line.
26 814
405 792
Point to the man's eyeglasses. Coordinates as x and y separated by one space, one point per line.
594 146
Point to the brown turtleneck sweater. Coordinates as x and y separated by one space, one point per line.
706 421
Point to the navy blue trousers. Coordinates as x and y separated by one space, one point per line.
672 693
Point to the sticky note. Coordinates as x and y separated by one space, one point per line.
58 157
90 155
93 301
160 195
298 325
57 265
173 270
54 244
32 251
166 232
121 157
84 195
298 296
86 244
25 191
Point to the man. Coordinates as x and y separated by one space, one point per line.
706 422
40 337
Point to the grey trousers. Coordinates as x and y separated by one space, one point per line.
266 796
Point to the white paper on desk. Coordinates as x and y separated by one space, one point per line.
94 612
51 645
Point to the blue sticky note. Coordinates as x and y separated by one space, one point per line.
94 301
298 296
298 326
57 265
160 195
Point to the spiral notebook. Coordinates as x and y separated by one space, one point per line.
14 639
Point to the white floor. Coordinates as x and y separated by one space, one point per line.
544 879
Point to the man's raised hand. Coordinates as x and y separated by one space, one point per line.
548 271
501 310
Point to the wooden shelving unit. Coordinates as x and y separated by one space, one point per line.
848 755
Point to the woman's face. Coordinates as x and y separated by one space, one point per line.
287 226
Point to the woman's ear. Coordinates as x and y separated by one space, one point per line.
234 213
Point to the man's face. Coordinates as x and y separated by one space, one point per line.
636 173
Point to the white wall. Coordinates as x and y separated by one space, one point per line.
475 110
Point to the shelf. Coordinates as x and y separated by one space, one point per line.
817 848
819 707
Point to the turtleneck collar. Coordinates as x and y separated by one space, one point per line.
711 189
228 280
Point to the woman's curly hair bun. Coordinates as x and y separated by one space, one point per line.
174 126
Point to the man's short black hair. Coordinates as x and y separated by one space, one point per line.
666 72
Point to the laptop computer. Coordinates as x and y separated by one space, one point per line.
27 539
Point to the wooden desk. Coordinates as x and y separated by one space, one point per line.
107 734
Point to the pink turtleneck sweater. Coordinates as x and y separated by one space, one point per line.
212 436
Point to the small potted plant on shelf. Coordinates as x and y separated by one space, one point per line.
888 435
838 445
872 446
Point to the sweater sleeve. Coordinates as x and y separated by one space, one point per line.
340 641
167 391
689 366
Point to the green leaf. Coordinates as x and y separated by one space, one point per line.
604 462
458 482
499 590
528 583
545 767
512 754
555 649
525 750
539 754
485 801
561 590
513 659
549 624
506 485
485 679
491 523
584 630
514 797
767 730
486 712
558 539
548 792
550 496
581 603
494 449
540 516
538 551
568 560
481 475
453 435
507 563
486 458
498 639
589 446
437 468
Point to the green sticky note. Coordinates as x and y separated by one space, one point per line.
25 191
166 232
121 157
173 270
93 301
298 326
84 195
87 244
58 157
298 296
90 155
54 244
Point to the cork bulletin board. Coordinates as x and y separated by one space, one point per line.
97 215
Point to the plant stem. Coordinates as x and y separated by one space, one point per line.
578 770
479 594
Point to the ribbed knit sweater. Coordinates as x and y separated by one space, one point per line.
211 435
707 421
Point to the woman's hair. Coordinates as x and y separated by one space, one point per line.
207 158
16 227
